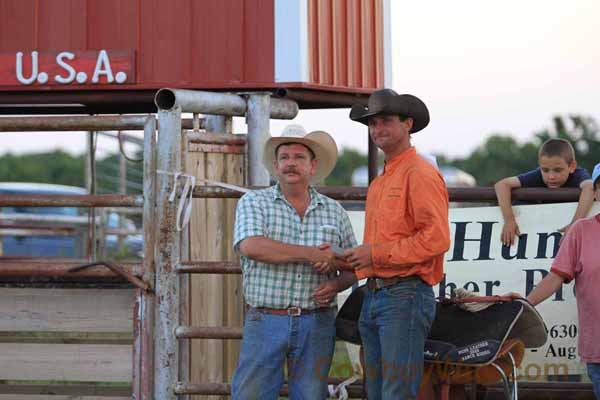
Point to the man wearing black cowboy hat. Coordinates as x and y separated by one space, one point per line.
405 238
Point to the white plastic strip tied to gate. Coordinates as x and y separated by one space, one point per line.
184 207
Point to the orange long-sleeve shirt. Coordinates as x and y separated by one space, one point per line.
406 220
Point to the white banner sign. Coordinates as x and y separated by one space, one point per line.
478 262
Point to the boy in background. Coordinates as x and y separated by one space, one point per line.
557 169
577 259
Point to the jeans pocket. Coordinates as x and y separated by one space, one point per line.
252 314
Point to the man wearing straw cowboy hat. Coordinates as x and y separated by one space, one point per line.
405 238
285 235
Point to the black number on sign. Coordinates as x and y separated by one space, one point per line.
563 331
573 330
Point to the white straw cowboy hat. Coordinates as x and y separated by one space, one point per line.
320 142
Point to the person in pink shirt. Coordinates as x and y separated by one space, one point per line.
579 258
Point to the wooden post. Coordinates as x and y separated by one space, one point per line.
215 300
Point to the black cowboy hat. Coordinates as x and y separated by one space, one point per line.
387 101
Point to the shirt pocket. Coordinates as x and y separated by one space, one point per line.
392 218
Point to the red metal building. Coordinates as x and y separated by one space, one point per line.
94 56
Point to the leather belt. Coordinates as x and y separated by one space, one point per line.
380 283
291 311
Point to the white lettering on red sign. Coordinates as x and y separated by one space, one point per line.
102 69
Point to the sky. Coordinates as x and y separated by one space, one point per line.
482 67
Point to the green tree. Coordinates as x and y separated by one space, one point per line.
583 133
501 156
61 168
347 162
55 167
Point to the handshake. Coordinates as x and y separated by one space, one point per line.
327 258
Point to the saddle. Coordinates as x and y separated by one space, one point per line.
464 346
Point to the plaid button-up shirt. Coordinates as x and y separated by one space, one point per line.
267 213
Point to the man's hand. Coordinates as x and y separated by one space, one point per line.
324 259
359 257
326 292
509 231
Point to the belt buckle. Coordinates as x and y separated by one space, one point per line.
294 311
379 283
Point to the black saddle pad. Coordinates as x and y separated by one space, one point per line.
456 335
465 337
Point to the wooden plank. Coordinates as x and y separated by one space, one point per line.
233 301
106 363
215 300
46 397
209 308
22 389
79 310
198 232
125 338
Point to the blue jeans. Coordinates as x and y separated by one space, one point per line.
394 324
594 374
306 343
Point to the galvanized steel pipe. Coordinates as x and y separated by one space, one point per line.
202 102
258 134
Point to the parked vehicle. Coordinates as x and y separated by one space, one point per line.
60 231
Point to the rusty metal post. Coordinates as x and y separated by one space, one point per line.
71 123
143 349
122 190
258 134
166 356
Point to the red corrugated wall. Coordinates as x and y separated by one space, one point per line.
201 44
177 42
346 42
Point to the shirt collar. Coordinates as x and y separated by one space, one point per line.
391 165
315 197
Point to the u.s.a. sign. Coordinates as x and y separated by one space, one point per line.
33 68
